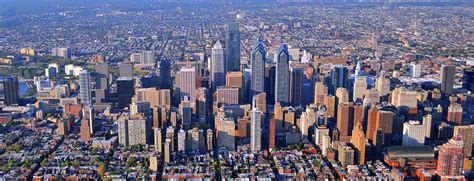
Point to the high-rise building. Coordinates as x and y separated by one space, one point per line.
165 74
85 87
450 160
447 79
360 86
345 154
384 122
455 114
467 134
413 134
319 132
358 114
358 140
125 91
232 47
225 135
236 79
148 57
85 130
345 120
340 78
415 70
168 149
218 64
272 133
181 140
296 86
140 108
186 111
156 98
383 85
102 83
320 90
158 140
258 68
209 139
282 83
64 52
261 102
187 83
342 95
428 125
133 130
227 95
12 91
256 130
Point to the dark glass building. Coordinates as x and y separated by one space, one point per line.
125 91
11 90
258 68
340 78
282 83
232 47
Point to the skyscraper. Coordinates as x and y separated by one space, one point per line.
415 70
296 84
358 140
447 79
450 160
125 91
165 74
101 83
125 69
455 114
413 134
340 78
467 134
360 86
256 130
218 64
11 88
187 83
345 120
258 68
85 87
282 83
232 47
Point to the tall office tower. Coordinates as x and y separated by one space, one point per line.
272 133
345 120
85 87
85 130
88 114
358 114
455 113
218 64
296 86
236 79
384 122
345 154
330 104
12 90
209 139
404 97
282 83
278 116
415 70
468 79
261 102
258 68
148 57
158 140
320 90
256 130
326 142
372 96
125 91
467 134
358 140
447 79
165 74
319 132
202 104
125 69
383 85
225 135
360 87
133 130
168 149
187 83
270 79
227 95
428 125
450 160
140 108
339 78
195 141
413 134
232 47
445 131
342 95
102 83
181 140
186 111
152 80
169 134
308 119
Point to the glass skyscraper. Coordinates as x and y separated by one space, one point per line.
282 87
258 68
85 88
232 47
340 78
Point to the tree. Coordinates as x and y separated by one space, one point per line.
101 169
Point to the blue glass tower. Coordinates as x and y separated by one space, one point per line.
258 68
282 83
340 78
232 57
